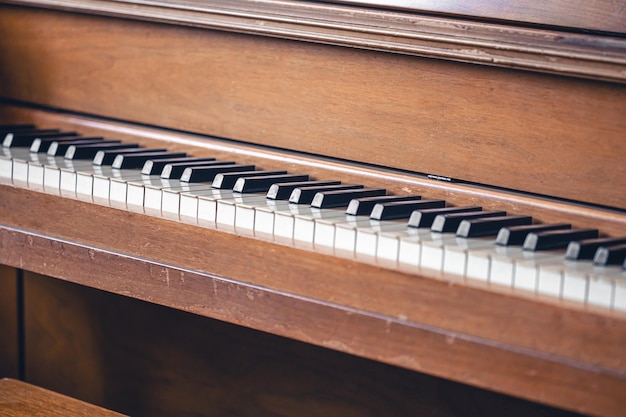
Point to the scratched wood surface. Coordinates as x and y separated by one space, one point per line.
19 399
147 360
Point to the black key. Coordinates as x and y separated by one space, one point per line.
305 195
610 255
586 249
510 236
282 191
490 226
226 181
78 150
175 171
106 157
449 223
155 167
135 161
43 144
364 206
4 129
341 198
25 140
556 239
207 174
403 209
10 136
425 218
263 183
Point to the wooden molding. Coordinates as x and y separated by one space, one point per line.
600 57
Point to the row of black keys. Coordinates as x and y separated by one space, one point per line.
469 221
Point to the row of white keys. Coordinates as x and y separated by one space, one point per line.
549 273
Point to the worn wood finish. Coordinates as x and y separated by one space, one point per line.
146 360
575 14
19 399
9 345
588 55
558 354
543 134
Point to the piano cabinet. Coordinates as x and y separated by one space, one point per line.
150 315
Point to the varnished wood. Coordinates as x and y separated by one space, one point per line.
609 222
587 55
559 354
573 14
538 133
9 324
147 360
19 399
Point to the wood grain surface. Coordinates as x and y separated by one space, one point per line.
19 399
9 324
147 360
555 136
558 354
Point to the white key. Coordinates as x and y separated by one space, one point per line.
306 219
527 268
433 250
456 253
170 197
326 231
366 245
410 246
20 172
264 217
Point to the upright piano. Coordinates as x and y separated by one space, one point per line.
171 296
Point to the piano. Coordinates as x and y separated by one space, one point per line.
184 288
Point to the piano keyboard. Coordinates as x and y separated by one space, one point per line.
349 220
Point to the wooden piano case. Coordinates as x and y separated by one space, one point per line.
518 116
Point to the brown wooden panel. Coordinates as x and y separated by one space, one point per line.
19 399
539 133
9 345
575 14
566 355
144 359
